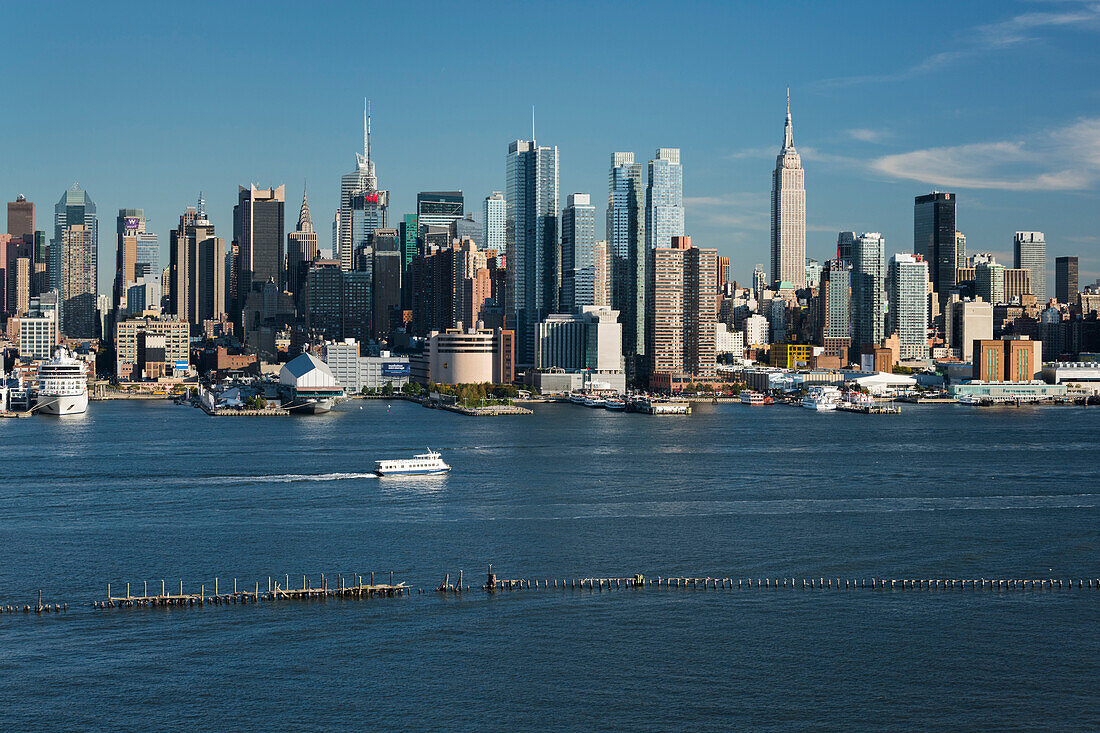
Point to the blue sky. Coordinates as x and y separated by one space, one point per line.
146 104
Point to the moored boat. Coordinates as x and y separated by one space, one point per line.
62 385
749 397
616 404
821 398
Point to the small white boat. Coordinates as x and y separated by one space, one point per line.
595 401
422 464
615 404
577 398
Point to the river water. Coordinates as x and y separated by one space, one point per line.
138 491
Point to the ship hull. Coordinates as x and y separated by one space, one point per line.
62 404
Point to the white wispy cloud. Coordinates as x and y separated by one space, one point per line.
867 135
991 37
1063 159
736 211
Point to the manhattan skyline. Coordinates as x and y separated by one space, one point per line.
989 107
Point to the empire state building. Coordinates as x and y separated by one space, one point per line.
788 213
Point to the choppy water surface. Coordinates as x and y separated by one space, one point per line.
141 491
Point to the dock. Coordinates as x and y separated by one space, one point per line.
363 586
869 409
356 586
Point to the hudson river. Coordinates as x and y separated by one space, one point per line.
135 492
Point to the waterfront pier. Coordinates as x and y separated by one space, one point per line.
355 586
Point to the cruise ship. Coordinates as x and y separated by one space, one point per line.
62 385
821 399
423 464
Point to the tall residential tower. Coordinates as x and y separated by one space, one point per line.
531 240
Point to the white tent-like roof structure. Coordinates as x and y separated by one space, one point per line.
306 371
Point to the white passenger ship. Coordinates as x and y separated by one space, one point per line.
62 385
821 398
423 464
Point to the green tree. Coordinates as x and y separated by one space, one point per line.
387 389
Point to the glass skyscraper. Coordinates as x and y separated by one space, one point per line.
74 207
1029 251
626 241
907 287
868 303
664 205
934 238
532 248
494 213
578 253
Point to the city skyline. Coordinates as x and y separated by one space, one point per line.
867 151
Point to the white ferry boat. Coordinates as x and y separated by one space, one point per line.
62 385
748 397
577 398
821 398
594 401
616 404
423 464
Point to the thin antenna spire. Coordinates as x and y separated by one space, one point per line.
788 101
532 123
368 130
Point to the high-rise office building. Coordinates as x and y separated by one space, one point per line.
1065 279
835 302
578 253
759 281
723 273
989 282
495 214
438 208
74 207
409 237
20 217
197 291
844 246
78 282
603 274
531 241
935 239
788 229
868 283
626 241
358 192
907 288
137 255
967 321
339 301
389 257
301 250
1029 252
1017 284
680 323
813 272
258 234
664 199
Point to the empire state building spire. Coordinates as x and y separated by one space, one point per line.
788 230
788 129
